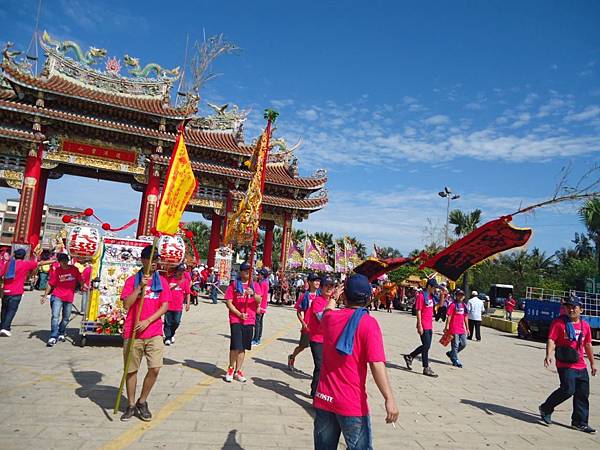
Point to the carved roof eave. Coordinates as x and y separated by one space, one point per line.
113 126
23 83
20 135
311 204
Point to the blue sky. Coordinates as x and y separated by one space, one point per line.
394 99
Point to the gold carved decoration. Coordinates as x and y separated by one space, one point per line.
96 163
207 203
13 178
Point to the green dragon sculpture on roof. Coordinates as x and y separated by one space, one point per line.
137 70
92 56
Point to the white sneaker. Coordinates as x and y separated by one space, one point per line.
51 342
5 333
167 341
61 338
239 376
229 375
173 340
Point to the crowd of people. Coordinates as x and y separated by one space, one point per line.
344 339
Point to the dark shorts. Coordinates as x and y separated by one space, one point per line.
241 336
304 340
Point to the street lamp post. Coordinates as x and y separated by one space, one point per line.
448 195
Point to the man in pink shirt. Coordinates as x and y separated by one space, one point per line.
458 324
147 334
568 338
352 340
509 306
180 287
62 284
302 304
15 271
424 305
242 297
263 281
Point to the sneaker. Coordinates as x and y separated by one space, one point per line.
584 428
253 343
408 361
429 373
167 341
291 363
258 342
229 375
546 417
239 376
5 333
61 338
128 414
457 363
173 340
449 355
51 342
143 411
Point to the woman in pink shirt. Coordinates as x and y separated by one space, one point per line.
263 282
179 285
458 324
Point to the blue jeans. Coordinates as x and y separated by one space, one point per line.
356 430
57 305
459 342
42 281
172 321
84 302
423 349
213 295
10 304
573 383
258 327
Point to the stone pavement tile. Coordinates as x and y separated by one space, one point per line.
274 440
189 437
159 445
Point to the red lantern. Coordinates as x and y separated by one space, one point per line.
66 219
171 250
89 212
83 242
106 226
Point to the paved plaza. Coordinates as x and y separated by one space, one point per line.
62 397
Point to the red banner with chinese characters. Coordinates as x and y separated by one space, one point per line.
78 148
493 237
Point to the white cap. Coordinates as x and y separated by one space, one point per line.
474 293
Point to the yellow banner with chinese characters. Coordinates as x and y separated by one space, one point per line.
179 187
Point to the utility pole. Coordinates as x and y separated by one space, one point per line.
448 195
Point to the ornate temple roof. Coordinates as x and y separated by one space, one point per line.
307 204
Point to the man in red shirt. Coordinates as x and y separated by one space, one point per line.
352 340
147 334
242 298
424 305
302 304
568 338
509 306
62 284
15 271
179 284
262 309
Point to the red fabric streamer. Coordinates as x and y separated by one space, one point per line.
190 236
124 227
487 240
373 268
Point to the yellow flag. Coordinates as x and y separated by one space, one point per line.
179 187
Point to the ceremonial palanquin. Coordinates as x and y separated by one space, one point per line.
82 116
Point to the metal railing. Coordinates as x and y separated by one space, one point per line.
591 301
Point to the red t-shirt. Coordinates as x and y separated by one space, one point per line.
315 327
456 312
243 303
16 285
426 308
558 333
153 301
342 383
509 306
180 287
64 282
264 284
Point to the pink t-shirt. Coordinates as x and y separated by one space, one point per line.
456 312
16 285
315 330
86 274
342 383
153 302
264 284
243 303
64 282
558 333
179 289
509 306
426 308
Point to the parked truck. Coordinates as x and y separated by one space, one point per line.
544 305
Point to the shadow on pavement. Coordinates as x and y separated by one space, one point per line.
390 365
288 340
532 346
231 442
102 395
228 336
43 335
206 368
284 368
170 362
285 390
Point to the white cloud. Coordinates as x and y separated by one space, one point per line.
588 113
473 106
438 119
282 103
308 114
523 119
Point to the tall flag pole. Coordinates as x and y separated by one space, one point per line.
180 185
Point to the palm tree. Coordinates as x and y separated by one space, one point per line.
327 240
464 223
539 262
201 237
361 250
583 246
590 216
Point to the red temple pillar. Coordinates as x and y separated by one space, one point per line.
36 224
285 239
215 239
29 191
228 210
149 205
268 245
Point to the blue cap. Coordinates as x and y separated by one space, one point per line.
264 272
327 281
575 301
433 283
358 289
20 253
244 266
313 277
181 266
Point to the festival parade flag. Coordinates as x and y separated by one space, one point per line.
352 258
315 256
341 265
493 237
179 187
295 258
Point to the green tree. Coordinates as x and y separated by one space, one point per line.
590 216
361 250
464 223
201 237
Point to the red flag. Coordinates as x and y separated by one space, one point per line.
487 240
373 268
